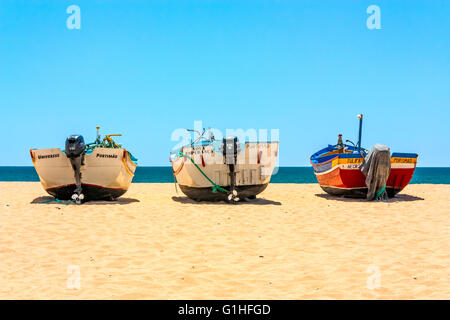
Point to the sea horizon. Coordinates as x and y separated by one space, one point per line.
285 174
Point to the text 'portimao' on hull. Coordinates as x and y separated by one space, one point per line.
101 170
350 170
212 170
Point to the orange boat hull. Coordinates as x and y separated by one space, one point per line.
344 178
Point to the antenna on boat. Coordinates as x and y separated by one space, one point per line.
211 134
200 135
360 117
98 135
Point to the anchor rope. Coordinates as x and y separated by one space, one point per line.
215 187
59 201
380 192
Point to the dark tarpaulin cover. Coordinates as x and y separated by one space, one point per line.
376 167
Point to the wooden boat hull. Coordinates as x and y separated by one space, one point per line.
341 175
90 192
205 194
106 174
254 168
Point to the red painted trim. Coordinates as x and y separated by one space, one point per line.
350 178
86 184
178 170
203 161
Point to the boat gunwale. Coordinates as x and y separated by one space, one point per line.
319 158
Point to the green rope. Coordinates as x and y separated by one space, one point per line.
380 192
216 187
59 201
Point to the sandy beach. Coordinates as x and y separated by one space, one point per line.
293 242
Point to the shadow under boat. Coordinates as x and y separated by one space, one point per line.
396 198
257 201
52 200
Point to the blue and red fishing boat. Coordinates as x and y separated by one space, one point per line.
338 169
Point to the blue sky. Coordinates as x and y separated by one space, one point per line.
146 68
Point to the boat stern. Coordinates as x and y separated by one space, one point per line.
403 166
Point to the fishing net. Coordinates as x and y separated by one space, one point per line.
376 167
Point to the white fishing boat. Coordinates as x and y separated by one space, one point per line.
102 170
212 170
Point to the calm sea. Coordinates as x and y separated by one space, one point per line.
284 175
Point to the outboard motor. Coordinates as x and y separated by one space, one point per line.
231 148
75 148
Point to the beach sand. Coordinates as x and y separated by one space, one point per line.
293 242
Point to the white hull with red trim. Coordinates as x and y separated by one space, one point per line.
254 168
106 173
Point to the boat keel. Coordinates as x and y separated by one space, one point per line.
90 192
206 194
356 192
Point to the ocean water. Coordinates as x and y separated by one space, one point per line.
284 175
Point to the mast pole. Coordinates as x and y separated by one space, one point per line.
97 140
360 117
